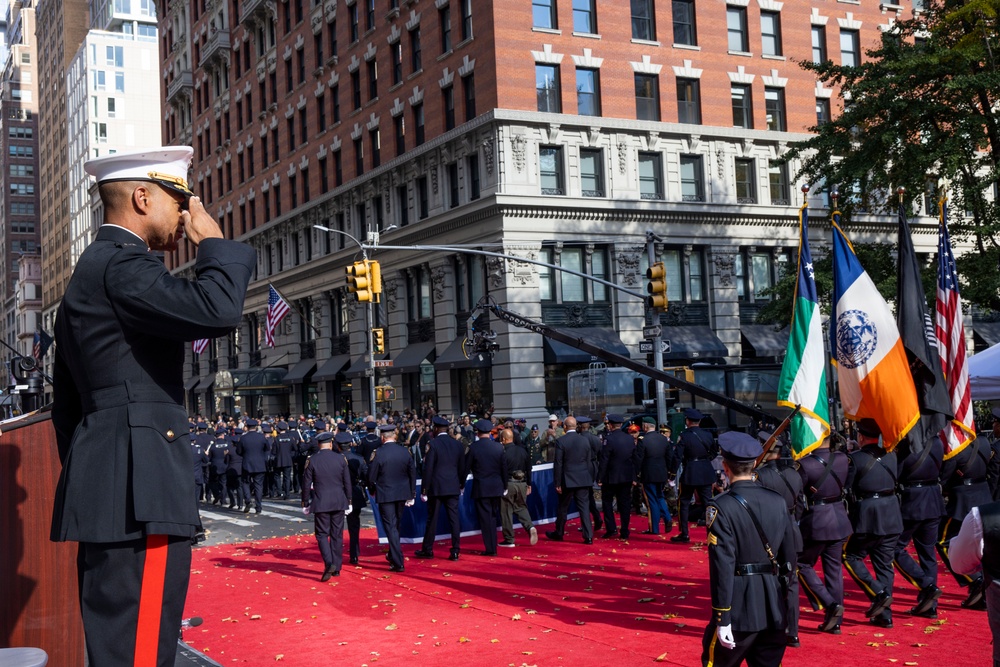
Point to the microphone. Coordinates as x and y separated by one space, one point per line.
192 622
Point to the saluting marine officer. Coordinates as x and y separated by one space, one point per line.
326 494
750 554
696 449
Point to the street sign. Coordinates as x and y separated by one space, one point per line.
651 331
646 346
384 363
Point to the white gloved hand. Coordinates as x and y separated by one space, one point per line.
409 503
305 510
423 497
672 483
505 492
725 635
350 508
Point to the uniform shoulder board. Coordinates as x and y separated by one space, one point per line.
711 512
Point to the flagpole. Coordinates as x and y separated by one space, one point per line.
298 312
832 396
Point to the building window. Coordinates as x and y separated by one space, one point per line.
692 178
584 17
356 89
294 190
448 99
757 273
647 97
320 112
588 92
547 88
822 111
403 205
444 18
369 14
359 157
290 126
466 19
689 101
685 274
643 26
777 176
355 33
338 167
375 140
650 176
423 198
372 79
819 43
550 163
774 109
850 49
472 170
469 92
736 27
543 14
453 185
415 58
569 287
591 172
418 123
684 25
746 187
742 106
399 127
770 33
303 126
397 63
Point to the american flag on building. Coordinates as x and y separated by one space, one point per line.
950 332
277 308
41 344
199 345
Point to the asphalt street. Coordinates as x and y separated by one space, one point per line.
278 518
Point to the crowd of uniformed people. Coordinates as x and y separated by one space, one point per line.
776 528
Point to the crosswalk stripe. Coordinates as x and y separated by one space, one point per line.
285 517
227 518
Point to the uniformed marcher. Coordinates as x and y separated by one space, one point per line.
217 469
442 484
253 447
200 459
573 475
921 505
515 501
486 463
126 492
285 446
370 441
326 494
392 478
825 527
583 427
236 488
785 481
616 476
696 449
976 550
965 486
201 439
876 519
653 453
750 555
358 468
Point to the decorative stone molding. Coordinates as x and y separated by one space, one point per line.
816 19
373 122
488 154
629 260
394 34
546 56
521 273
646 66
687 72
826 93
587 60
354 64
390 288
438 276
397 108
725 263
447 78
517 147
495 272
622 156
468 65
849 23
774 81
741 76
417 97
414 21
369 53
770 5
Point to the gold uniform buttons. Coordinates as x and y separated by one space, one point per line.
170 433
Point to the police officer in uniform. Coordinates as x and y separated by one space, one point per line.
442 483
200 459
217 469
236 488
202 439
785 481
358 469
326 494
285 445
253 448
392 477
696 450
583 427
825 527
370 441
486 462
921 505
965 485
750 556
877 521
573 475
616 475
653 453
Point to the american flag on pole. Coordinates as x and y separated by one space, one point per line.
950 332
277 308
199 345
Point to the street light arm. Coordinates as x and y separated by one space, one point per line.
361 247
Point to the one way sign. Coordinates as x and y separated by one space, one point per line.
646 346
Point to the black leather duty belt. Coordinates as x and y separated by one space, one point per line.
970 482
750 569
920 485
825 501
877 494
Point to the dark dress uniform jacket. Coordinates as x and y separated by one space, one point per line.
574 461
326 482
284 446
871 515
617 465
697 449
118 385
787 484
825 517
200 460
217 456
920 494
488 466
358 469
964 478
757 602
253 448
392 475
444 467
234 461
652 454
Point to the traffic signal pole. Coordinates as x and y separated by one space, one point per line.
661 399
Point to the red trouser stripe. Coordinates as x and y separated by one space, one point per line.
147 632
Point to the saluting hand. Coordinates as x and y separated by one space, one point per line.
198 225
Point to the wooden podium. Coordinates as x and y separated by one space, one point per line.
39 605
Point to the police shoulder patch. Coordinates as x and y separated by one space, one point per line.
710 513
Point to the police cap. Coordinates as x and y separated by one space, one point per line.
387 428
252 423
202 426
440 421
483 426
869 427
693 414
583 420
370 425
739 446
615 418
325 436
343 438
282 426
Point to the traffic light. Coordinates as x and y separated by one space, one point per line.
359 280
378 340
379 396
657 287
375 271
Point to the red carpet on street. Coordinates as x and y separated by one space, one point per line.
557 603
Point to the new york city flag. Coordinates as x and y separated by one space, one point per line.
872 369
803 372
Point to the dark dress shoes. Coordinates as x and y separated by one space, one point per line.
423 553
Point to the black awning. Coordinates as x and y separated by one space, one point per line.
191 382
989 332
409 360
693 342
454 357
206 382
561 353
357 369
764 340
330 368
301 372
